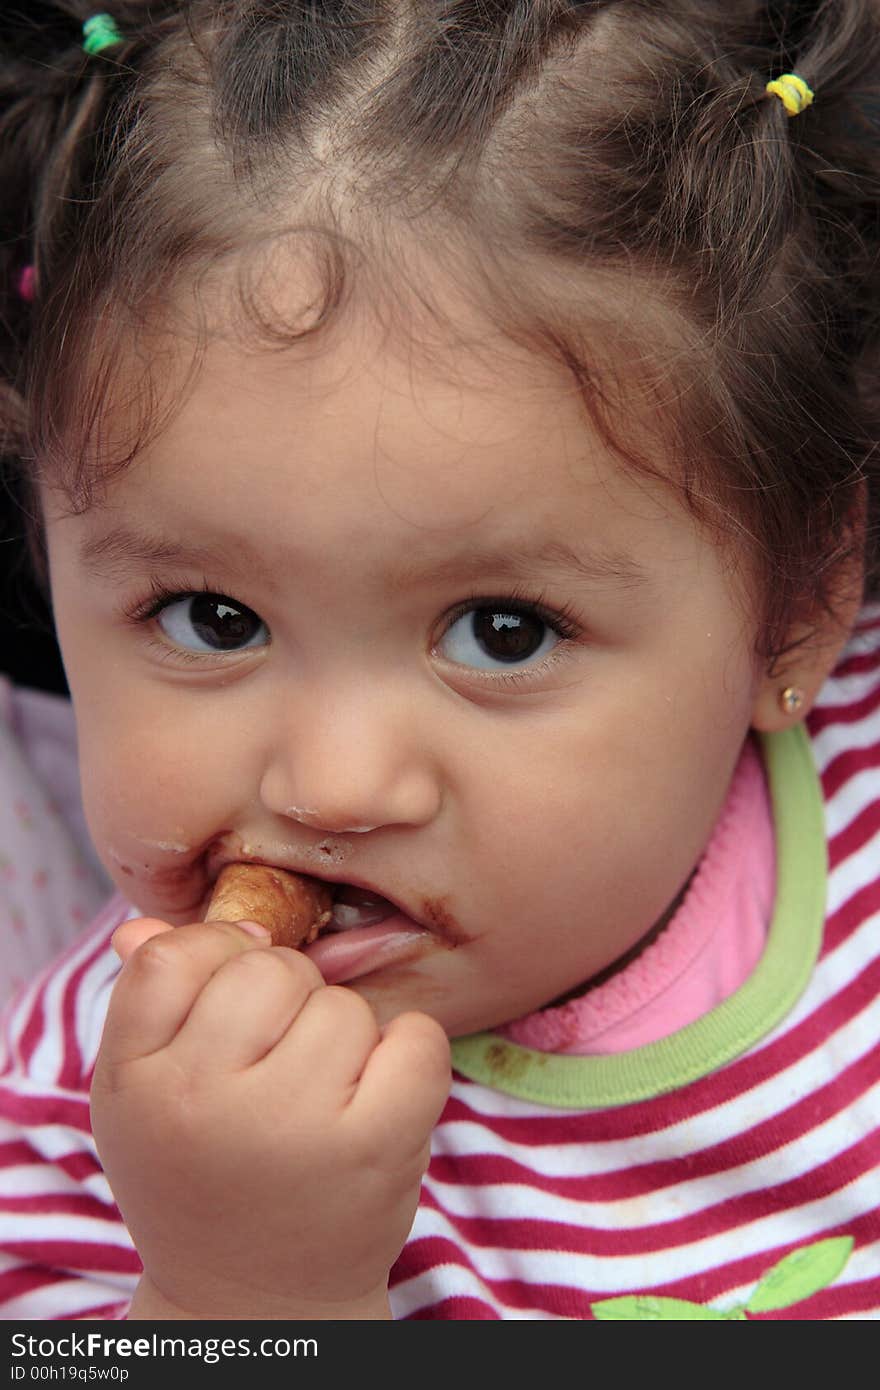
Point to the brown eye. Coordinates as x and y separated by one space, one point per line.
490 635
211 623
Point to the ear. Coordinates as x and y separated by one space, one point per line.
813 648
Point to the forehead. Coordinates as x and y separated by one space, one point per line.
415 421
462 344
452 437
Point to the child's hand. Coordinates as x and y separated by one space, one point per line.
264 1141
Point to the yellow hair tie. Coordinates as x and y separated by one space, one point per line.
792 91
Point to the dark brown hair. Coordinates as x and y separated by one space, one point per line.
560 150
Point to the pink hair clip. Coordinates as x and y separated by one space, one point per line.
27 284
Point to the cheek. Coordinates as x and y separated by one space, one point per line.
615 807
148 773
123 807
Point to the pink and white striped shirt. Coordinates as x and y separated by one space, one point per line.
729 1170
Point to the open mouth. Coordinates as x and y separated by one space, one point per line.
346 929
312 903
357 907
365 933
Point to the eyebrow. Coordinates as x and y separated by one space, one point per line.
116 554
522 559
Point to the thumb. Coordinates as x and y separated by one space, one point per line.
130 935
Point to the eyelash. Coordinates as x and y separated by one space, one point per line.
145 609
562 620
150 605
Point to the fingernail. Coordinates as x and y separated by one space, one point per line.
255 929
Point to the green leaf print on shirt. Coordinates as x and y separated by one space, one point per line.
645 1307
796 1277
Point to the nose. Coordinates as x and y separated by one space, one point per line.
351 765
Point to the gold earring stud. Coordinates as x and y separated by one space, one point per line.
791 699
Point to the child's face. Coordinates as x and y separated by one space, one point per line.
455 655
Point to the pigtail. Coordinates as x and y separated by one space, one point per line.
57 107
50 99
828 217
41 96
836 149
38 62
839 162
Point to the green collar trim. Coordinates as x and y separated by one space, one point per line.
727 1031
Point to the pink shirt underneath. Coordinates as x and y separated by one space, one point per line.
707 950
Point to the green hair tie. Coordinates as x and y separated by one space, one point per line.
100 32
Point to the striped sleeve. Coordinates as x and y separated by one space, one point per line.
64 1252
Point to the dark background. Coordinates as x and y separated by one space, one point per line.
28 650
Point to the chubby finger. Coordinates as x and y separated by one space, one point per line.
405 1083
331 1041
248 1004
132 934
161 980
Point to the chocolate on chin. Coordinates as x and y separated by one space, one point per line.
292 907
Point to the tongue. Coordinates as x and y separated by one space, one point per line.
357 907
